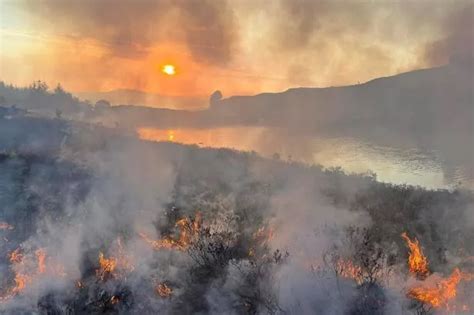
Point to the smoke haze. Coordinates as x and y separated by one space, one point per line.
239 47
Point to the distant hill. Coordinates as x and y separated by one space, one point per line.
416 101
140 98
419 99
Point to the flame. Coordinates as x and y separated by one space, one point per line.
188 231
417 261
5 226
445 290
27 270
17 259
261 237
16 256
20 284
347 269
163 290
114 299
263 234
41 257
114 266
22 278
106 266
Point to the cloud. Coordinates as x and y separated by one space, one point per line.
210 29
248 47
130 28
334 43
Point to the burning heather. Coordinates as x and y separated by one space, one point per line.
347 269
188 230
109 234
163 290
443 293
114 266
271 196
435 292
417 261
28 268
107 267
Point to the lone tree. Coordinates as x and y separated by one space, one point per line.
102 105
215 97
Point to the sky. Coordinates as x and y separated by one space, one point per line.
239 47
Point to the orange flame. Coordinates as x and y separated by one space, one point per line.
263 234
417 261
21 279
163 290
444 291
23 267
188 231
16 256
114 266
41 257
261 237
347 269
106 266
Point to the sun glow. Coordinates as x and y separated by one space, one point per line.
168 69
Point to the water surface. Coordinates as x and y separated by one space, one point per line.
390 164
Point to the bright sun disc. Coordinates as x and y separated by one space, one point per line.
168 69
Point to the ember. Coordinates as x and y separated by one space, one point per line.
163 290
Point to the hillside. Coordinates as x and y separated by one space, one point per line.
100 222
408 103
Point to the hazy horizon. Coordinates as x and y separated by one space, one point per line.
240 48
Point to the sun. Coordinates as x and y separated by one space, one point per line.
168 69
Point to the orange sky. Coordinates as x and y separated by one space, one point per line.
241 47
